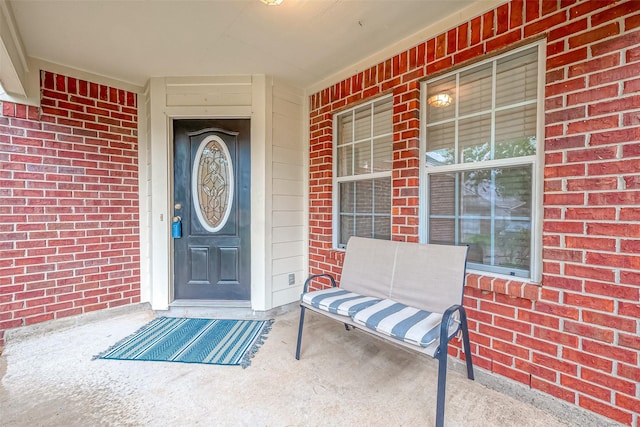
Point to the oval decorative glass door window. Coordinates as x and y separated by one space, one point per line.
212 183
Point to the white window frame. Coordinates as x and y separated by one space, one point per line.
335 202
536 161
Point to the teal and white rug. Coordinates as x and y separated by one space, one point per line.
210 341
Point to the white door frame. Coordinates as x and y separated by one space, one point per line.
156 181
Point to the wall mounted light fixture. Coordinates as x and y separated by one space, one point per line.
440 100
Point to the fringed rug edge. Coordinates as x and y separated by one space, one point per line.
262 336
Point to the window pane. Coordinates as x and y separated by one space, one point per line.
444 89
363 123
362 154
364 226
474 139
442 231
345 160
363 204
345 129
475 90
382 117
346 228
517 78
513 244
442 194
382 153
513 191
347 197
516 132
382 228
478 186
382 196
476 232
509 250
364 196
440 144
493 210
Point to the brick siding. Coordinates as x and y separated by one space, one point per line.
69 233
575 336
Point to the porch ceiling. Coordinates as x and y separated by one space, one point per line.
301 41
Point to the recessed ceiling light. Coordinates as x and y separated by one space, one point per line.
272 2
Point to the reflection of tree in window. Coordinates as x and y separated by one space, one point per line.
496 215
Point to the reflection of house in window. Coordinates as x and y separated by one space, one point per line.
488 209
485 210
439 157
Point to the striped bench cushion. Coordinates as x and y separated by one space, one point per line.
338 301
400 321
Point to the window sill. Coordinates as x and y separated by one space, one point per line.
505 286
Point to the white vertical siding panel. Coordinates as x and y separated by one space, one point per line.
287 249
288 171
287 218
287 234
287 265
287 187
287 155
286 296
288 202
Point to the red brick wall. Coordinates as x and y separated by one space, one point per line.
575 336
69 239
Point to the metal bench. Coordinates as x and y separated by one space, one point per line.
407 293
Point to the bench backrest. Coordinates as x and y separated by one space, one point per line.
426 276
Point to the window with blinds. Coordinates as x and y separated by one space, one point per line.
481 129
362 184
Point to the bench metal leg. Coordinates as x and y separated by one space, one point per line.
442 355
442 383
465 341
300 332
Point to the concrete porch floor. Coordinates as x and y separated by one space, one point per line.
343 378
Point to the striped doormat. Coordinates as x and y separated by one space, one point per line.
209 341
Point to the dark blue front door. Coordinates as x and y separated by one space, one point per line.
212 200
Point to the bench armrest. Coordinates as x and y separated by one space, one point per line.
447 318
314 276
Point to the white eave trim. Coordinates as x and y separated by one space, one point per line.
13 61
